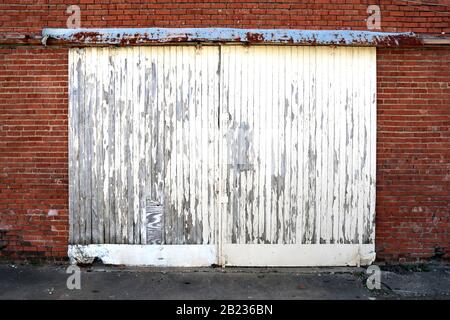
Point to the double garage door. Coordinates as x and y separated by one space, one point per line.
230 155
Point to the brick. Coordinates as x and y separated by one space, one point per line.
412 218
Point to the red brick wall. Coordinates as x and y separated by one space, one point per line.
413 153
413 113
33 152
397 15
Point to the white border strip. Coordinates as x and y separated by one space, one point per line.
145 255
251 255
298 255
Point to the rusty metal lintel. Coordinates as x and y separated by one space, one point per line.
432 40
20 39
148 36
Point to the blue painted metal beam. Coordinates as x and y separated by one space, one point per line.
141 36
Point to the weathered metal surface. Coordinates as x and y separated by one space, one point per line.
187 255
298 255
141 36
155 222
14 38
431 40
143 125
237 255
297 145
228 146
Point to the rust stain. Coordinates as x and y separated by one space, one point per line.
342 41
81 36
290 40
19 39
245 36
180 38
255 37
399 40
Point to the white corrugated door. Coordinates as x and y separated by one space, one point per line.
297 155
239 155
144 154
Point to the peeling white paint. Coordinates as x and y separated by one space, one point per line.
124 36
297 145
301 255
143 125
145 255
245 149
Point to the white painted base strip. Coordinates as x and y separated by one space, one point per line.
252 255
145 255
298 255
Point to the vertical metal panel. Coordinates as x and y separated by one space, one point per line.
143 128
249 145
297 148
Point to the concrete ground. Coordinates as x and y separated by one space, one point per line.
431 281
